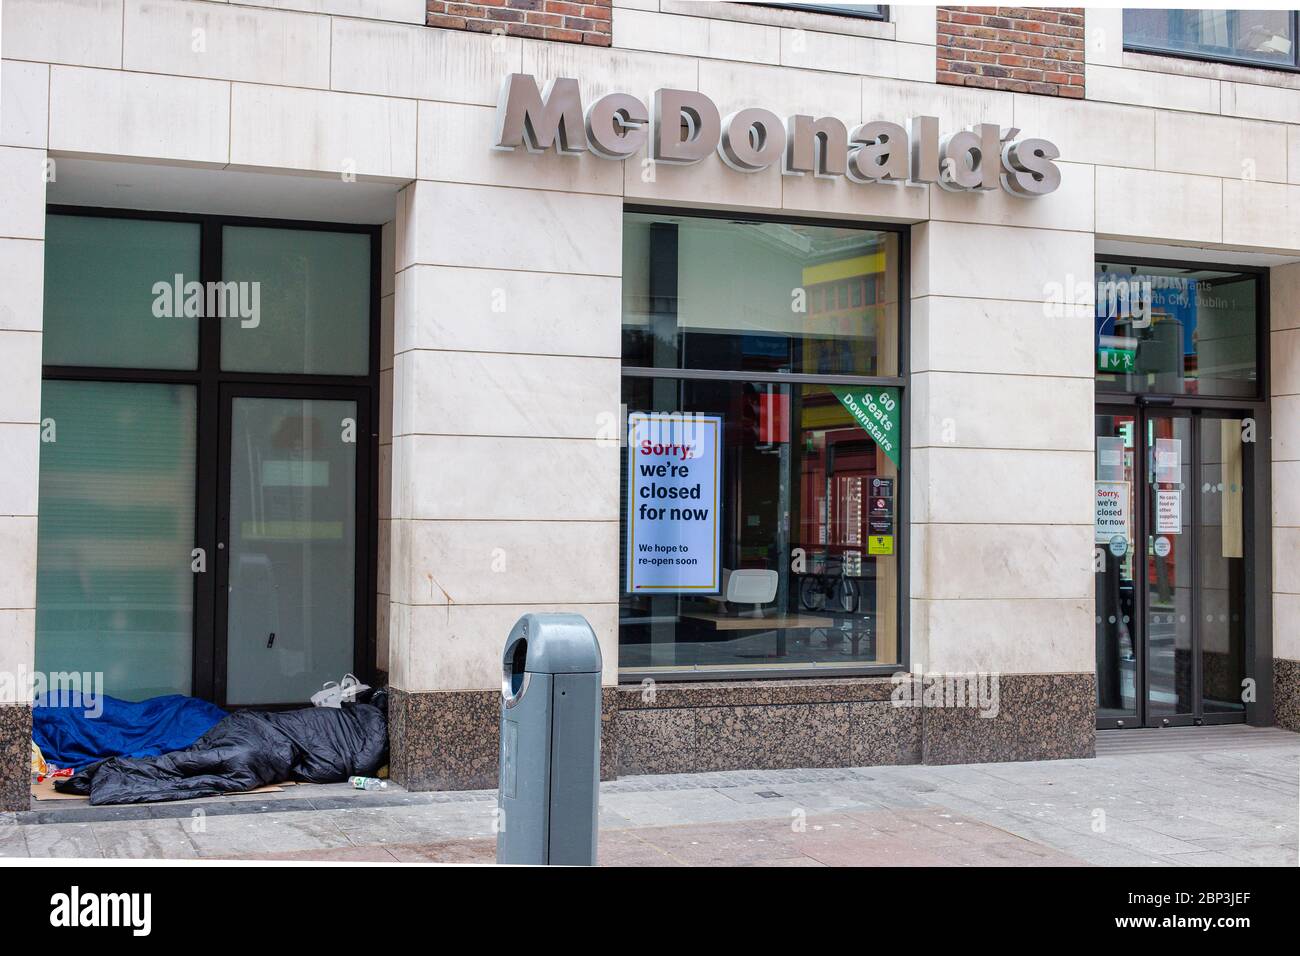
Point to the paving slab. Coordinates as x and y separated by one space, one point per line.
1217 802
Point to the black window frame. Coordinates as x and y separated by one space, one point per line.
902 498
212 384
1292 67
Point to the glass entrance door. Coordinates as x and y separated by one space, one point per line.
1223 514
292 585
1167 569
1119 641
1173 505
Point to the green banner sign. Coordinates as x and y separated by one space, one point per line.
875 409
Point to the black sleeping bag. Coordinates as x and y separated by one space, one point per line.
248 749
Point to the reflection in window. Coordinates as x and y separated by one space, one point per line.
1263 37
808 558
1223 572
760 515
1177 331
758 296
1118 640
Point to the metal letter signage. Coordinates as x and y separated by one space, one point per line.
683 127
535 119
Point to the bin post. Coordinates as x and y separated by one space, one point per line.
549 779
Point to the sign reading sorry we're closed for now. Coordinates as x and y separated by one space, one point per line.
1110 517
674 486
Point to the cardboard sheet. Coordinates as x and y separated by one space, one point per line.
44 791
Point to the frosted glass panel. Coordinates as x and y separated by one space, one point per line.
101 304
114 589
292 548
312 297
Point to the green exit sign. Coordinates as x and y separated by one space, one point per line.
1116 360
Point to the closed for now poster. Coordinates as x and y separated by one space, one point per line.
674 497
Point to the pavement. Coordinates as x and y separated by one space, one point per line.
1226 796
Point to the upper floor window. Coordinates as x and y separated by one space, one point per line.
871 11
1251 37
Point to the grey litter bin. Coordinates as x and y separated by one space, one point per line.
550 742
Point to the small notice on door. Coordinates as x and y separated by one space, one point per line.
880 544
674 464
1169 460
1111 515
1110 458
1169 512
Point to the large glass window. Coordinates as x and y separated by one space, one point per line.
1176 330
115 593
1255 37
185 483
761 479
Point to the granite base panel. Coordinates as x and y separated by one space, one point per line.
449 740
15 757
763 725
1038 717
1286 694
767 737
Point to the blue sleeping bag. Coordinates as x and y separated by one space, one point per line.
74 734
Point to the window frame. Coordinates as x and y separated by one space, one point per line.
815 670
211 382
880 13
1292 67
1195 400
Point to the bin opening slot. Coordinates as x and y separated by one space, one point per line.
517 662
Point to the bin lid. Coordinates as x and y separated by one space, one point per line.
557 644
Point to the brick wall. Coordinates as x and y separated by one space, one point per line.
581 21
1012 48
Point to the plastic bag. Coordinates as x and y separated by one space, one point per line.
333 694
39 767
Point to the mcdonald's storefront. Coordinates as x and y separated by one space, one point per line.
867 418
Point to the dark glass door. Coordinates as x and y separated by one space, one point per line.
1173 509
1222 543
292 554
1168 569
1119 641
